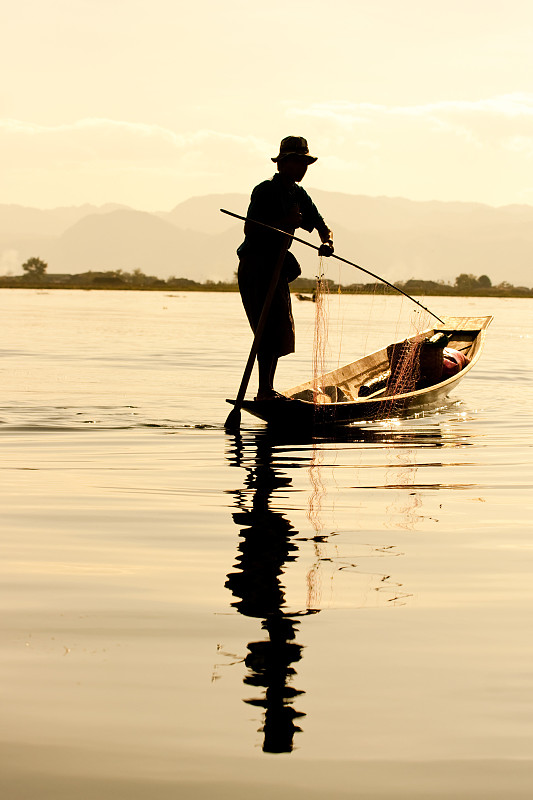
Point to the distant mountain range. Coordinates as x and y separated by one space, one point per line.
394 237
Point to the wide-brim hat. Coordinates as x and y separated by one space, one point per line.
294 146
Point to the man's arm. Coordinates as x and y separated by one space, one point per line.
313 219
326 237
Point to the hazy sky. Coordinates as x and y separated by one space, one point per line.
148 102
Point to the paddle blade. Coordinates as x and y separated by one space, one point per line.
234 419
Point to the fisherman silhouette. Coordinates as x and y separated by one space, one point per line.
282 203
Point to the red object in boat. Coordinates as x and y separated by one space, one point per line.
453 362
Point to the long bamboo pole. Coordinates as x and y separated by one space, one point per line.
334 255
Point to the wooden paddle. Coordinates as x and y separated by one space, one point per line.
234 416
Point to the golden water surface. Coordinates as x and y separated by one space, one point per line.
189 613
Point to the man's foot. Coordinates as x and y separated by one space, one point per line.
270 395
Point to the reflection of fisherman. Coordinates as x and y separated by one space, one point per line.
264 549
281 203
270 666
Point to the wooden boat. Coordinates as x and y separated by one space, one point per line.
339 402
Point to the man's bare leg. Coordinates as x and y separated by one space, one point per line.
267 363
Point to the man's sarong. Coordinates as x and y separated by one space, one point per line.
255 275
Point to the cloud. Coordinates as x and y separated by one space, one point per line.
522 145
474 150
104 160
502 120
451 150
114 141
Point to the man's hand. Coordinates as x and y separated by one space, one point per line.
326 248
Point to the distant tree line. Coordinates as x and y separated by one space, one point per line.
36 275
464 285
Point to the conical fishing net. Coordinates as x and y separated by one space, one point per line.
400 370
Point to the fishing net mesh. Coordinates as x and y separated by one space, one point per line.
403 374
320 338
319 367
403 367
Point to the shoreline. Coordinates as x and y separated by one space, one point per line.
357 289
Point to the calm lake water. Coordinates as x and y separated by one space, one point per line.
194 614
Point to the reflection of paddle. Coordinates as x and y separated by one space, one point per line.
234 416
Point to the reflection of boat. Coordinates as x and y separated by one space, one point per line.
336 397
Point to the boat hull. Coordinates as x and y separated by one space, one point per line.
299 409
